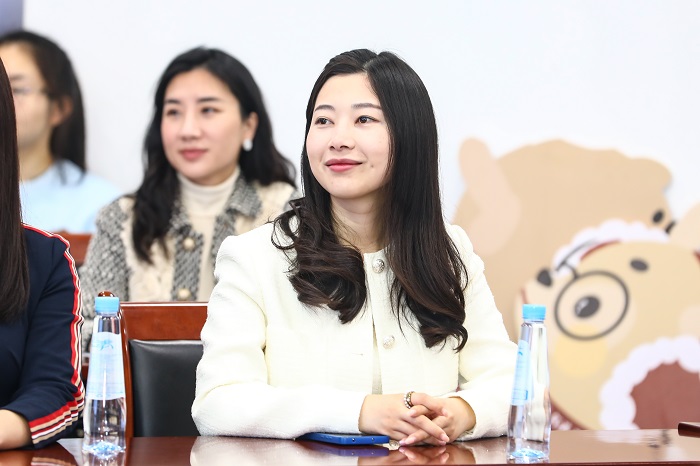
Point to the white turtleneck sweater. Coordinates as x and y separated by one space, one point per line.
203 204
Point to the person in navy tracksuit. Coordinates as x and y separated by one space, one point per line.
41 393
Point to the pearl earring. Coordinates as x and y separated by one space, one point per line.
247 145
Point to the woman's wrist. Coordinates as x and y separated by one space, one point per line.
362 423
469 417
14 430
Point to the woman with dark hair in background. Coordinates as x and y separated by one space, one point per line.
359 310
57 192
212 170
41 394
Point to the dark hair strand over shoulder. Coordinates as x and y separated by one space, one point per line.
14 270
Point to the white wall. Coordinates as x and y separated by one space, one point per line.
615 74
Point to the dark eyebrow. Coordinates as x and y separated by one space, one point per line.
199 101
17 77
366 105
209 99
354 106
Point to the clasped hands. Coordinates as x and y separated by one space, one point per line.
431 420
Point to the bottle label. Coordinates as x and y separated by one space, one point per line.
106 371
521 385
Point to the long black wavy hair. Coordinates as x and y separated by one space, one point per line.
429 275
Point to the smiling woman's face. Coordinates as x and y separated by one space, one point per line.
348 141
202 127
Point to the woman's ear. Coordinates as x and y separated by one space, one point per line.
60 110
250 126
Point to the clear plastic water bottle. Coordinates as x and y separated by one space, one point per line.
104 417
530 421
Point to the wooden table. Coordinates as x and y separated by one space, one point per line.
631 447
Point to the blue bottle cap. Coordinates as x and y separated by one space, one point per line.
106 304
533 312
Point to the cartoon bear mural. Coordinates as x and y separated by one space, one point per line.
623 320
520 208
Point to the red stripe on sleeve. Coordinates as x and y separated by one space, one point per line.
69 412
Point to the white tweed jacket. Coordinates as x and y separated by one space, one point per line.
273 367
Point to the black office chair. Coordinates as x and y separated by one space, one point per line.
161 347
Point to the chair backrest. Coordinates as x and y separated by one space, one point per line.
78 245
161 347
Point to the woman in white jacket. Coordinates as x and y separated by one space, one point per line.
359 310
